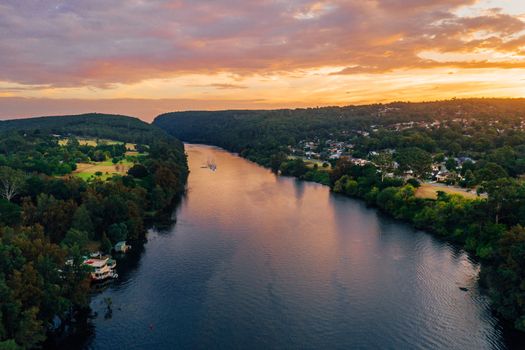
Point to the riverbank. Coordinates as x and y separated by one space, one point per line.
256 260
491 229
51 219
468 223
164 179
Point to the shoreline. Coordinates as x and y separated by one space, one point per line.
483 279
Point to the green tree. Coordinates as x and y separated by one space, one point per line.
9 345
105 244
53 214
138 171
415 159
470 179
295 167
276 160
500 192
505 157
507 280
9 213
451 164
31 331
82 221
72 142
117 232
76 237
490 171
468 165
384 161
454 148
440 157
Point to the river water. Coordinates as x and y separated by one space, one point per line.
257 261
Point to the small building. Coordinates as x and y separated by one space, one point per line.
359 161
122 247
442 176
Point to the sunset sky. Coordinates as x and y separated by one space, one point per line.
143 58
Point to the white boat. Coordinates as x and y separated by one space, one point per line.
211 164
101 268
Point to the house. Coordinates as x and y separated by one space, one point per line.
310 154
359 161
442 176
408 174
122 247
335 153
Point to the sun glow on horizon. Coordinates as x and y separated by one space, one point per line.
310 53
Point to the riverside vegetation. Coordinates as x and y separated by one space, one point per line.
399 143
49 215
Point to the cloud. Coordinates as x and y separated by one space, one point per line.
100 43
221 86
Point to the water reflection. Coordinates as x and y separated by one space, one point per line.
259 261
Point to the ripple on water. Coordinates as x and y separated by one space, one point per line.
263 262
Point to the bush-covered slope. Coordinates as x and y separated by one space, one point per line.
110 126
50 219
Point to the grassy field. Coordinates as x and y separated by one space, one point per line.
136 154
311 162
87 171
93 142
429 190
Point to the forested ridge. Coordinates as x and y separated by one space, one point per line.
50 218
269 131
96 125
384 153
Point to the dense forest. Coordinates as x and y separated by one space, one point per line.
258 135
108 126
50 218
386 152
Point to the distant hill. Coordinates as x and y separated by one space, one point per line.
203 126
258 134
110 126
234 128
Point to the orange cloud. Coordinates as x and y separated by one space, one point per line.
303 52
72 43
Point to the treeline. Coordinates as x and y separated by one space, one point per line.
491 229
259 135
48 222
95 125
487 132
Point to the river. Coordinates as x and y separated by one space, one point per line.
257 261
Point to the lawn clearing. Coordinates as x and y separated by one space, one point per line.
135 154
87 171
430 190
310 163
93 142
